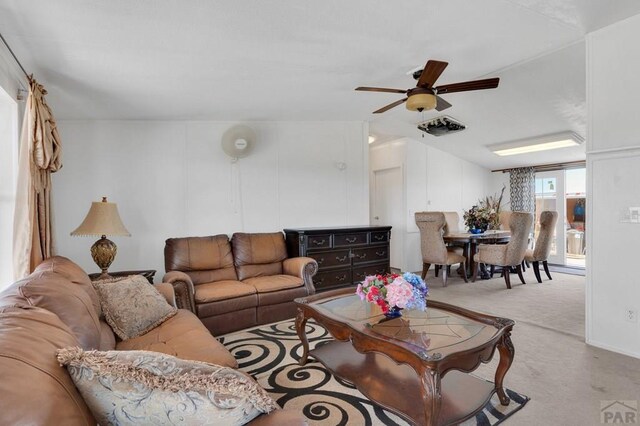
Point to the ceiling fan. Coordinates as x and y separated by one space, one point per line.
424 96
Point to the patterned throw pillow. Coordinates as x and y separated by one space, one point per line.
150 388
132 306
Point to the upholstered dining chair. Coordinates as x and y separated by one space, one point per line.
451 226
434 251
452 222
510 254
541 250
504 215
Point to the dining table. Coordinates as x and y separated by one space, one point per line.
470 243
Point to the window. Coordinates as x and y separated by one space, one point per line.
8 173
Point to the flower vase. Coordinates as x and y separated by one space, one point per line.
476 231
394 312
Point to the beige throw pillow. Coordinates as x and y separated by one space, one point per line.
142 387
132 306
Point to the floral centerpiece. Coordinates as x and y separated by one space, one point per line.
485 215
393 292
478 218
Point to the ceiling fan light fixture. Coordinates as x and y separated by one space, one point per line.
421 102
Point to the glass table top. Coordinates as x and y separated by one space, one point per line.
435 329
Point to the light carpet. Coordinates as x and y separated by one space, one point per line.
271 353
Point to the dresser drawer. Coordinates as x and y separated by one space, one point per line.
376 269
379 237
370 254
329 279
318 241
354 239
329 259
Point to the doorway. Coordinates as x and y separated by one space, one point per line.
386 208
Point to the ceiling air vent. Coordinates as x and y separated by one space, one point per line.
442 125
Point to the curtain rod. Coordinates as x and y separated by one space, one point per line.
15 57
549 167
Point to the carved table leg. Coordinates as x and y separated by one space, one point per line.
507 351
431 396
301 322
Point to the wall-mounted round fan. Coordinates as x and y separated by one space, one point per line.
238 141
425 96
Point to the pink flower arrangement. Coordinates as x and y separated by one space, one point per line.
393 290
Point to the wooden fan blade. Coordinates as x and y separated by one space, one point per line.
388 107
430 73
489 83
380 89
442 104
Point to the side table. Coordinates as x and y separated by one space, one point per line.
148 274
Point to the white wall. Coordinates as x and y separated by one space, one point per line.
613 175
171 179
433 180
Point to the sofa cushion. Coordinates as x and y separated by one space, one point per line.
222 290
55 293
34 388
211 255
204 310
132 306
273 283
258 255
74 273
107 337
184 336
281 296
140 387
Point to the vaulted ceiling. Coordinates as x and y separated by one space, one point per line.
297 60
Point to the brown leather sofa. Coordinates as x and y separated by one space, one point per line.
56 307
231 285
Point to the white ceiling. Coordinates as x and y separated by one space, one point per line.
301 60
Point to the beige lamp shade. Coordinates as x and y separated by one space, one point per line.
421 101
102 219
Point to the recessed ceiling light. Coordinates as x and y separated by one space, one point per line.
372 139
542 143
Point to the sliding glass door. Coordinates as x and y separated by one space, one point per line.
564 191
550 196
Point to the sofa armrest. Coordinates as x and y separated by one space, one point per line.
283 417
183 287
303 267
167 291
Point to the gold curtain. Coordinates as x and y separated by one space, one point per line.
40 155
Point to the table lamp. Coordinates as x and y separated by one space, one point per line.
102 220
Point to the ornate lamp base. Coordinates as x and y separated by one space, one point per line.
103 252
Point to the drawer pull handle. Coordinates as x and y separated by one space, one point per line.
378 237
341 278
319 242
381 253
320 261
352 239
341 259
320 281
361 256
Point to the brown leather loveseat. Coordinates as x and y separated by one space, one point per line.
57 307
231 285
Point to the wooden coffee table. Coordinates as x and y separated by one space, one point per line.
417 365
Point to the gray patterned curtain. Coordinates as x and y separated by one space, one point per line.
522 189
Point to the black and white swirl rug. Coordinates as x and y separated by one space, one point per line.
270 354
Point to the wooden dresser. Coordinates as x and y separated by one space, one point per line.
345 255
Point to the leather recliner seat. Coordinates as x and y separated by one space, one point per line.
238 283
